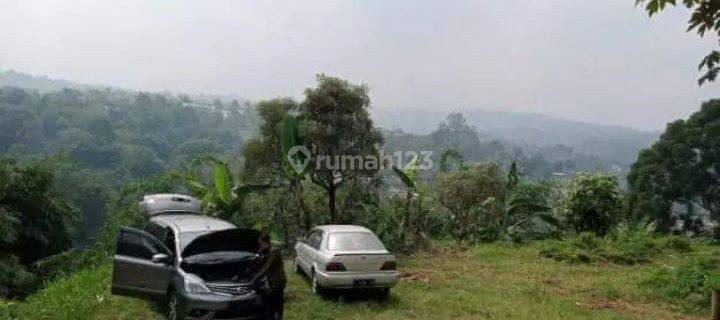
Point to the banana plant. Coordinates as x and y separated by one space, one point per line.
414 217
226 197
290 137
520 209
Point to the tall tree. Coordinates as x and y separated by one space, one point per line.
263 154
266 158
455 133
682 167
337 126
704 19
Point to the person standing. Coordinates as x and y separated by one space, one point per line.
272 268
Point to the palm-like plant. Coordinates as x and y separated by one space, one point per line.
226 197
414 217
521 209
290 137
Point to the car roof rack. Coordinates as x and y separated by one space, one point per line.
166 203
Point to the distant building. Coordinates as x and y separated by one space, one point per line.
207 106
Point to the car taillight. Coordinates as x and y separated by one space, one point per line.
335 266
390 265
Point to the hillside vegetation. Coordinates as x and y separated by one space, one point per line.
498 281
484 229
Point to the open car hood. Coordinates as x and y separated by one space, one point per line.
236 239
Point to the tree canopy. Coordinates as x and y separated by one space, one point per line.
35 220
335 122
682 167
704 19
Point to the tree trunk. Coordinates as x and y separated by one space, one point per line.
716 305
304 219
284 223
331 203
301 221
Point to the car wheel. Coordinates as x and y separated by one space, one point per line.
173 307
316 287
384 294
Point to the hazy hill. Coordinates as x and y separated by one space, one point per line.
616 143
39 83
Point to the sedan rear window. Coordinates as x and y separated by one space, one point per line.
354 241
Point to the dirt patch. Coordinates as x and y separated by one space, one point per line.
636 310
422 276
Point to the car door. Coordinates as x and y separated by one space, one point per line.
301 252
134 272
314 248
305 252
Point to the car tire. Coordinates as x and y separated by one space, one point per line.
172 310
316 287
384 294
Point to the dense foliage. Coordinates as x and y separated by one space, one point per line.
118 146
115 135
336 124
469 196
593 203
37 221
455 141
678 178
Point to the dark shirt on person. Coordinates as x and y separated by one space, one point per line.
273 268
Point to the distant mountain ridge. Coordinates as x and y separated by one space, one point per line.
39 83
45 84
617 143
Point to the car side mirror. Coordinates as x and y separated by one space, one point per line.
160 258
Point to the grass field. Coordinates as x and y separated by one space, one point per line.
498 281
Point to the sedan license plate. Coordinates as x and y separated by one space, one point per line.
363 282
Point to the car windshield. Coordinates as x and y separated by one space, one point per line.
354 241
187 237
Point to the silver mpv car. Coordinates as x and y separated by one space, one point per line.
200 266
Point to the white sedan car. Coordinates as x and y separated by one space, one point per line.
346 257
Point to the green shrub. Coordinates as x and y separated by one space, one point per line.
66 263
676 243
15 280
621 247
73 298
593 203
688 285
712 280
583 249
627 245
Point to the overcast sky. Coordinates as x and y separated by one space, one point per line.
598 61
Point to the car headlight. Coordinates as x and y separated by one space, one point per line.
193 284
